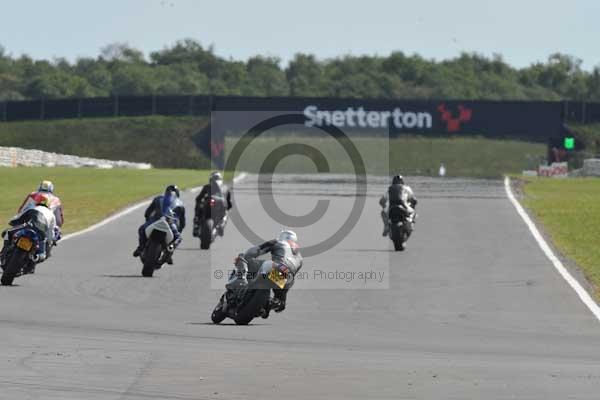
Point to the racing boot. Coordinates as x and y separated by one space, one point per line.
386 230
277 303
221 227
196 227
169 254
138 251
386 224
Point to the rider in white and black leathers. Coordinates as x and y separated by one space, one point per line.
285 252
398 193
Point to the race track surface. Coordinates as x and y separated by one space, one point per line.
472 310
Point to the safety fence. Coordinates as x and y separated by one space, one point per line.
570 111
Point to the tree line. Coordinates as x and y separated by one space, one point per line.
187 68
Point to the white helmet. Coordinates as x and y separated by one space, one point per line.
216 176
286 235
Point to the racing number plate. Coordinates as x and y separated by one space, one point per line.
24 243
275 277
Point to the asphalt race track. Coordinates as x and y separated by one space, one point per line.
472 310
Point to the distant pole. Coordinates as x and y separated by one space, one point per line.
442 171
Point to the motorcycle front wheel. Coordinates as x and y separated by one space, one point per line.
151 257
218 315
256 299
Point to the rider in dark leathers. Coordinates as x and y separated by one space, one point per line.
221 192
175 216
285 252
398 193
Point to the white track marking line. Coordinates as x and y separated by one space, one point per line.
131 209
581 292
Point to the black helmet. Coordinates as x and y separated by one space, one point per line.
172 188
398 180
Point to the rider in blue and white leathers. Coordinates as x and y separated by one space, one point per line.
170 206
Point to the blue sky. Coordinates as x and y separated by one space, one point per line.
522 31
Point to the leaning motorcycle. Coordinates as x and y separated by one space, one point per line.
400 226
159 243
160 239
209 221
23 253
246 303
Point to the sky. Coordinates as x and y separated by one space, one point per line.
522 31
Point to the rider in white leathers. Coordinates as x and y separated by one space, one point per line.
398 193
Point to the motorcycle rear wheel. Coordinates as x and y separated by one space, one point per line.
398 236
13 266
256 300
206 233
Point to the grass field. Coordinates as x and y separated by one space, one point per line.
569 210
166 142
89 195
468 157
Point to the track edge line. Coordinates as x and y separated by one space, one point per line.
130 209
584 296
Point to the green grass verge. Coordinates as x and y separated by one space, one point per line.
462 156
165 142
569 210
90 195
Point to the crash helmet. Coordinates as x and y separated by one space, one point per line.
287 235
172 189
398 180
46 186
216 176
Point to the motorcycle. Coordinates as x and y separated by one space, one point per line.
209 223
253 300
23 252
159 246
160 243
401 226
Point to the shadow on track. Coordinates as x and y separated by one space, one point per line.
224 324
122 276
370 250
